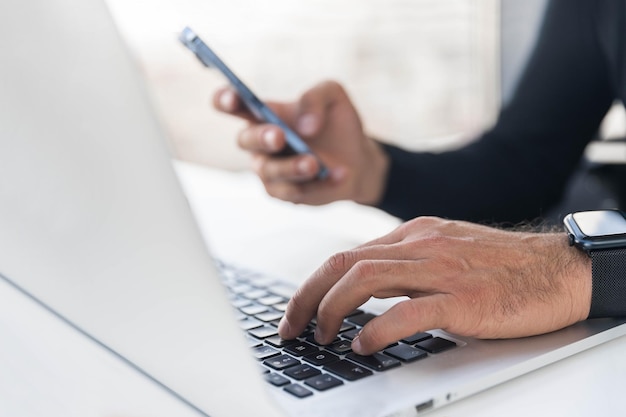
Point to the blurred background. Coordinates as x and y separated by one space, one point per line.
423 73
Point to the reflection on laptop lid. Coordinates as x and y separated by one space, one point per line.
95 225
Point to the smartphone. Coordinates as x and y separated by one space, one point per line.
259 109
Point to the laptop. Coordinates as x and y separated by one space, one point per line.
95 227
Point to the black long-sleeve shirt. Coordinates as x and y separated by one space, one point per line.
519 168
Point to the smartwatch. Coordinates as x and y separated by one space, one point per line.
602 235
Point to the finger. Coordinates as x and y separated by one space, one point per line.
400 321
371 278
262 138
350 294
302 306
226 100
283 170
304 190
313 105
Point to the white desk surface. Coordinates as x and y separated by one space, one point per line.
47 369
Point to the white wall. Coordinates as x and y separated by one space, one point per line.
422 72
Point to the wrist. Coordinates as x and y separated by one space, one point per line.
576 267
370 184
568 269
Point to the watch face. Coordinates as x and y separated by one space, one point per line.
597 224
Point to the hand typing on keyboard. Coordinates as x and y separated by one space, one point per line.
464 278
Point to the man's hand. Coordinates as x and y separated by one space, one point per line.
464 278
325 117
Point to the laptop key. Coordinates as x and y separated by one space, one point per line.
341 347
281 362
406 353
276 379
250 323
417 337
321 358
301 349
436 345
263 332
270 300
301 372
298 390
350 334
279 342
264 352
361 319
269 316
323 382
376 362
253 309
347 370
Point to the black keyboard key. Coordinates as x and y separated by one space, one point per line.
253 342
436 345
279 342
250 323
264 352
376 362
269 316
263 332
323 382
406 353
350 334
298 390
417 337
347 370
321 358
341 347
301 349
239 302
361 319
253 309
270 300
281 362
301 372
276 379
345 326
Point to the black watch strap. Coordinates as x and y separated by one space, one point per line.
608 294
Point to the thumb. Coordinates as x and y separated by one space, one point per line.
314 105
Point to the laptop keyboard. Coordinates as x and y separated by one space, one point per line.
302 367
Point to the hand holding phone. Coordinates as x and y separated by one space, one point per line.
259 109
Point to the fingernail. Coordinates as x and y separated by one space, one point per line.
270 138
227 100
356 344
307 124
305 166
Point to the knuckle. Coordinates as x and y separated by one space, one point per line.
332 85
409 313
243 138
364 269
340 262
